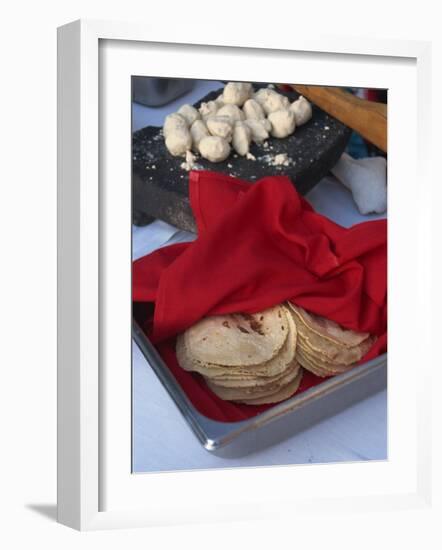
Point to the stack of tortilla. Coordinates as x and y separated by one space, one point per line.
246 358
324 347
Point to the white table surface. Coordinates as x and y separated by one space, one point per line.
162 440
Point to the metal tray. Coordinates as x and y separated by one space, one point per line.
235 439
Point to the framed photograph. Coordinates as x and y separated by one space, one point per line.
222 258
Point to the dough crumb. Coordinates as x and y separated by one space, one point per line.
249 156
279 160
189 164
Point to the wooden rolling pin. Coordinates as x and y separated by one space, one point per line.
368 118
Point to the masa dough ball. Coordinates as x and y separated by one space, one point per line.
179 141
189 113
283 123
259 129
236 93
208 108
219 101
174 122
270 100
231 111
214 148
198 131
220 126
253 110
302 109
242 137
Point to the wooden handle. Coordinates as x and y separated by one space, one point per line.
368 118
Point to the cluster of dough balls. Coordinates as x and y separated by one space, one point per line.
234 119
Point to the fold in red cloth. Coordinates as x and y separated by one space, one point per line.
259 245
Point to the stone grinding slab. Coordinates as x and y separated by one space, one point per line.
160 187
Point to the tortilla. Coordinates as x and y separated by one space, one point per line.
307 365
321 369
347 358
329 350
275 367
327 329
238 339
233 394
249 381
281 395
335 365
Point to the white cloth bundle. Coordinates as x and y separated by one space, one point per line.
366 178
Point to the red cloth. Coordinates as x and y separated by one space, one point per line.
259 245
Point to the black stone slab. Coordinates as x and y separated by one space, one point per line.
160 186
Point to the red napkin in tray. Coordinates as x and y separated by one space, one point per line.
259 245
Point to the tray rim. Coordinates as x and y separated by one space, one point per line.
214 434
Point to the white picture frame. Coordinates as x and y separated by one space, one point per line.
95 487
